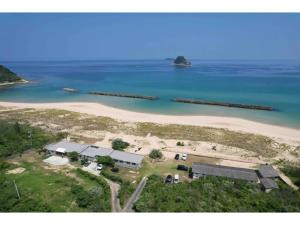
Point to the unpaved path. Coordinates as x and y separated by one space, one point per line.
114 189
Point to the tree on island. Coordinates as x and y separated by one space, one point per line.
180 60
7 75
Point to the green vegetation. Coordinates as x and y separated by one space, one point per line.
126 188
15 138
155 154
119 144
73 156
293 172
180 143
43 190
8 76
215 194
106 160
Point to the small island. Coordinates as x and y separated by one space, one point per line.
7 77
181 61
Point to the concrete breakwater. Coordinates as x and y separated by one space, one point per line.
123 95
225 104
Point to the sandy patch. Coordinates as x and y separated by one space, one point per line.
57 161
16 171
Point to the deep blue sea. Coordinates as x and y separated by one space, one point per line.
272 83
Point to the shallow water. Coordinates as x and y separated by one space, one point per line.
272 83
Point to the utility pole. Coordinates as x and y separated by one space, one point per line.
17 189
30 136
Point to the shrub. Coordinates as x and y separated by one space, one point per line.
119 144
155 154
106 160
180 143
73 156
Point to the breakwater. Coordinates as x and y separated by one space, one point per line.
123 95
225 104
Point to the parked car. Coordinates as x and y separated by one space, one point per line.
169 179
99 166
182 167
177 156
86 164
176 179
184 156
115 169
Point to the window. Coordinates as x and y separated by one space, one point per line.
134 164
128 162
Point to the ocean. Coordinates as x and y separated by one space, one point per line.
271 83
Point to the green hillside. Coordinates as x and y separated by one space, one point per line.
8 76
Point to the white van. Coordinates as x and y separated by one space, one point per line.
176 179
184 156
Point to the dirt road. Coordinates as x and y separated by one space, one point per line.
115 202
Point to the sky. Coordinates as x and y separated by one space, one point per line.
149 36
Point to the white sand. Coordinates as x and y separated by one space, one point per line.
284 134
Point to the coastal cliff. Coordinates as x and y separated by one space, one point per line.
8 77
181 61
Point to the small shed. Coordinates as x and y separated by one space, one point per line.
268 184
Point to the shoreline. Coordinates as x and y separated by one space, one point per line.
285 134
14 83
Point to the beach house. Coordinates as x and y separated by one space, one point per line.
91 152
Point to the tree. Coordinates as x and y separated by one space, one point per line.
106 160
119 144
180 143
73 156
155 154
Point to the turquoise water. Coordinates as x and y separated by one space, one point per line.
273 83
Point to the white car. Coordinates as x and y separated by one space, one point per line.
99 166
176 179
184 156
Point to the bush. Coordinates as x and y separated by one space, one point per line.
180 143
105 198
73 156
155 154
112 176
119 144
106 160
14 138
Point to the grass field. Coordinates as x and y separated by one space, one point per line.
51 186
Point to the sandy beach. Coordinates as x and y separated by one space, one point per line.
284 134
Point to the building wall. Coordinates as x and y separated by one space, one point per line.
127 164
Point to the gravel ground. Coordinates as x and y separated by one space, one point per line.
57 160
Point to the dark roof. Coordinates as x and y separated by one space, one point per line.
267 171
127 157
93 151
268 183
68 146
225 171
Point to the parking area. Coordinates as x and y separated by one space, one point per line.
91 168
57 160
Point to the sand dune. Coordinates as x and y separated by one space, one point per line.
280 133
